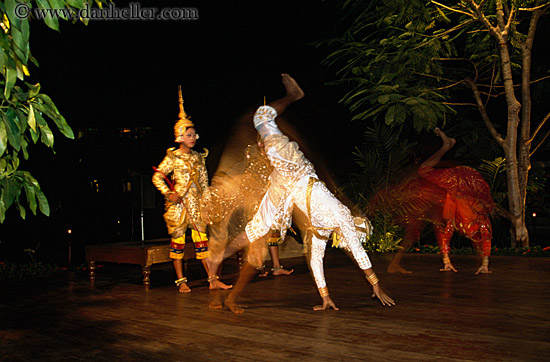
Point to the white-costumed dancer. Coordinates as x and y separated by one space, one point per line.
294 183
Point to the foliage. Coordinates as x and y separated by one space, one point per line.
408 62
26 113
386 235
494 172
535 251
404 58
383 53
9 271
382 159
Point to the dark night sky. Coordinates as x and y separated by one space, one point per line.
125 73
114 74
122 74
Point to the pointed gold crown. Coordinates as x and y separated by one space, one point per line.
183 122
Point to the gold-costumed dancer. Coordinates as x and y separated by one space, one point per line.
183 180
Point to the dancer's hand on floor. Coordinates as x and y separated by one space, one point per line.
448 267
484 269
383 297
327 303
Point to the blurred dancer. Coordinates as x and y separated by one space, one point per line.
294 183
452 199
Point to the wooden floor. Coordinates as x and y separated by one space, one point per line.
504 316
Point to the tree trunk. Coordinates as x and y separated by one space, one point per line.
517 169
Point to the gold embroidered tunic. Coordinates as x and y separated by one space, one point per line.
189 177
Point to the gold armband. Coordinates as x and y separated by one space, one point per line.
323 292
373 279
446 260
485 261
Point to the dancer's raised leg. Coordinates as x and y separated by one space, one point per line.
293 93
434 159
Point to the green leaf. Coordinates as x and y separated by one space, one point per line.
383 99
46 136
77 3
390 116
22 211
3 138
43 203
11 77
10 12
24 145
51 22
400 114
59 4
22 119
2 211
2 58
12 127
34 89
10 190
31 197
31 120
49 108
19 43
29 179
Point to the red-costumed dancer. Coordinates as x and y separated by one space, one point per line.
453 199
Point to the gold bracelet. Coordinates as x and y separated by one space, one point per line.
446 260
212 278
373 279
180 281
323 291
485 261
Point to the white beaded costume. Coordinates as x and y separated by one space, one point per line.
293 182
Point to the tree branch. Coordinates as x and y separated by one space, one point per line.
485 115
540 143
534 134
459 104
535 8
481 17
452 9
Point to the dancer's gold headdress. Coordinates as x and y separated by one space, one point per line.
183 121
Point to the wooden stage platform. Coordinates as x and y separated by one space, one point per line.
504 316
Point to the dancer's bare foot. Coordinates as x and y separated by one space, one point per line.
448 142
184 288
396 268
218 284
262 273
293 90
216 302
235 308
215 305
281 271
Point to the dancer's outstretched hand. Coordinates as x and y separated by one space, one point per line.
448 267
484 269
383 297
327 303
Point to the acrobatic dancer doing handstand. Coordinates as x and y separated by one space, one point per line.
294 183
